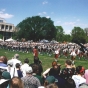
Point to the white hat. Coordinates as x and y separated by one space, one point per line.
29 70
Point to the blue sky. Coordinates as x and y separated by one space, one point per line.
65 13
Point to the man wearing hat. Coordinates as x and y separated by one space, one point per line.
50 80
5 78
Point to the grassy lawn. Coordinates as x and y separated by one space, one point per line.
46 60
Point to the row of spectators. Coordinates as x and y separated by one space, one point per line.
14 74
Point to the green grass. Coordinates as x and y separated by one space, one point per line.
46 60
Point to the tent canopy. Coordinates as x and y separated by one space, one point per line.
1 40
10 40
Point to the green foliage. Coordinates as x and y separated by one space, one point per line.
67 37
36 28
78 34
1 36
60 34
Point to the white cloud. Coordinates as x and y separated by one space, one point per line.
45 2
42 13
5 15
70 23
67 31
83 25
47 16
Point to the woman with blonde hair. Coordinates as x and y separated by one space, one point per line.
16 82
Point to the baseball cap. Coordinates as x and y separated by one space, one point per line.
51 79
6 75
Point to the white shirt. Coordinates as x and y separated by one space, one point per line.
23 68
3 80
78 80
56 52
14 61
13 72
45 72
73 53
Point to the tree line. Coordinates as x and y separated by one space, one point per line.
37 28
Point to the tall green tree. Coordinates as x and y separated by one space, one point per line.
86 32
78 34
35 28
67 37
60 34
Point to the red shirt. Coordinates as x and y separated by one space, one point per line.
35 52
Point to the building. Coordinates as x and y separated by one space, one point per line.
6 29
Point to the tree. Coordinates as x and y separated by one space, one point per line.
36 28
78 34
67 37
86 31
60 34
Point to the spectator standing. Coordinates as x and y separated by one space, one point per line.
4 59
16 82
14 60
24 66
52 70
52 85
49 80
55 71
29 80
68 71
78 78
35 72
86 75
19 72
39 64
5 77
3 66
12 65
70 83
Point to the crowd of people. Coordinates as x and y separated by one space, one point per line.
15 74
59 49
